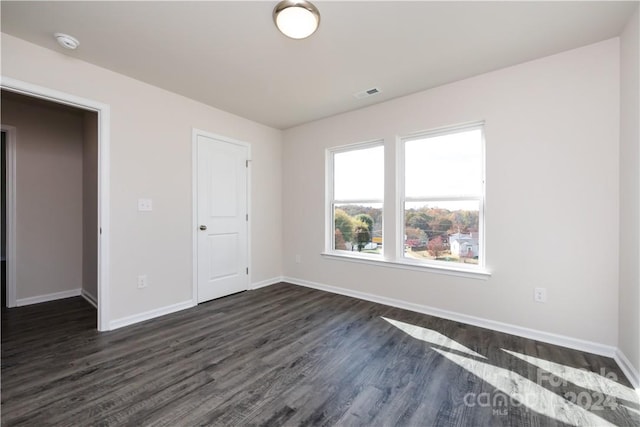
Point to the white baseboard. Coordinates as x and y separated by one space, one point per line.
136 318
629 370
264 283
48 297
561 340
91 299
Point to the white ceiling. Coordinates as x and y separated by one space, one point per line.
228 54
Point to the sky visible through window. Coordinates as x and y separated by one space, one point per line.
359 174
438 165
445 165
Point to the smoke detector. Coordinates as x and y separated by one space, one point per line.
367 93
66 41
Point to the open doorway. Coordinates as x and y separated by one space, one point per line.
3 213
68 181
55 182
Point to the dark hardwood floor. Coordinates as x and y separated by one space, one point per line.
288 355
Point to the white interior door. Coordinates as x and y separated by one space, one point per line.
222 241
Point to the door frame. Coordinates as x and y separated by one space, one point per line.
10 209
195 133
104 127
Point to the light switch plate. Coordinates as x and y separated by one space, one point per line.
145 205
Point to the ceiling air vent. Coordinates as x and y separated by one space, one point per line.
367 93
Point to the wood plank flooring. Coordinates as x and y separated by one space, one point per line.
288 355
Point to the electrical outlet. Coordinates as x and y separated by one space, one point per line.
540 294
145 205
143 281
298 259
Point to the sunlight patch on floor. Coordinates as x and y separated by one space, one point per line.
432 337
526 392
603 382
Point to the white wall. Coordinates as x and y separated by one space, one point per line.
151 157
629 317
90 204
552 132
48 195
552 128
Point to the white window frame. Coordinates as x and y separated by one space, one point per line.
393 251
401 200
331 201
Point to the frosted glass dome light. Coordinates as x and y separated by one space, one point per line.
297 19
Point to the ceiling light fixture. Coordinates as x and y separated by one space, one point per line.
297 19
66 41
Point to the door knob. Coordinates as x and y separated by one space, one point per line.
203 227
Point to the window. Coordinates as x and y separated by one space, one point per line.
437 194
356 199
443 197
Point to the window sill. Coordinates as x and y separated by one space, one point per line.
476 273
